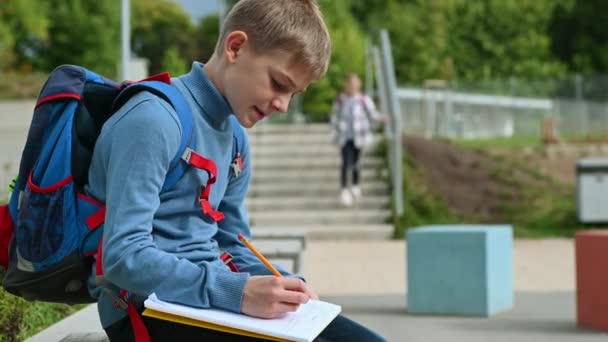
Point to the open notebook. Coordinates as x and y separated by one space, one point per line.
302 325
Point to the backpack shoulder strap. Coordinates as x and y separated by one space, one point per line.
172 96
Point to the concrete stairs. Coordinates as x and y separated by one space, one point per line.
296 185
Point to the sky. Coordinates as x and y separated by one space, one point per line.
199 8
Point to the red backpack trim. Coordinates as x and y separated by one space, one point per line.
6 232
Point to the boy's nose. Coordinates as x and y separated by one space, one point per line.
281 103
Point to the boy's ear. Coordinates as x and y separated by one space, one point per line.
235 41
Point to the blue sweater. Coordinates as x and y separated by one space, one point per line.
162 242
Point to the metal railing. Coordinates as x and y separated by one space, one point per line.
389 105
445 113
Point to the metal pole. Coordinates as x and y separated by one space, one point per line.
381 92
369 71
395 112
125 38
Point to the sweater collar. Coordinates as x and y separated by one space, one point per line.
213 105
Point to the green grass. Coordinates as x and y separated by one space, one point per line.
20 319
544 208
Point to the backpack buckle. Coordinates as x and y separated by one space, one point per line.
228 260
237 165
187 155
226 257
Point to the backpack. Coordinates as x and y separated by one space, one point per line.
50 230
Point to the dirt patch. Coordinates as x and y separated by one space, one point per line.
531 188
465 180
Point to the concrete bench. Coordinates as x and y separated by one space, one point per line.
86 337
460 269
82 326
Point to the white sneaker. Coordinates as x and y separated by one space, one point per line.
346 198
356 191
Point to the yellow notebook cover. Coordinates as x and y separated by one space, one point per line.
304 325
201 324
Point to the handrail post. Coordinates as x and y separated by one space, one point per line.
395 112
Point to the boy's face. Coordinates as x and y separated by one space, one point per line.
259 85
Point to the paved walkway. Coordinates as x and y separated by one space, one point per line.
369 280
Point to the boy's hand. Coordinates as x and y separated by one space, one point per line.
270 296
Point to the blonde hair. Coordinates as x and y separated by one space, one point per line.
294 26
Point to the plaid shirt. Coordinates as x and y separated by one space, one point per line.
351 119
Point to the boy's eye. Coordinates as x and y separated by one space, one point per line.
278 86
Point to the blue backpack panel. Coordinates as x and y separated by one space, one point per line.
57 228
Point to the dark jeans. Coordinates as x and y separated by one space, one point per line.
350 162
340 329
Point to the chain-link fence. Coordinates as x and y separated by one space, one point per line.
576 106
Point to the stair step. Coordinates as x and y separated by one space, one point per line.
302 163
316 189
312 175
259 204
302 151
307 138
320 217
268 129
336 231
296 184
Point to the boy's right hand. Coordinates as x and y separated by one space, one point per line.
270 296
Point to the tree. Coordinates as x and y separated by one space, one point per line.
579 37
418 31
158 26
23 25
207 33
348 55
173 62
499 39
83 32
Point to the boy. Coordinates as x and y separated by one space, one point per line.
268 50
351 128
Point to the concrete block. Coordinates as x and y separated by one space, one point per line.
591 250
460 269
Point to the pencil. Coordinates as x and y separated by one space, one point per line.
259 255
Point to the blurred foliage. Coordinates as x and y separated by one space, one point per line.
81 32
159 26
23 25
456 40
173 62
578 35
500 39
348 55
206 35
